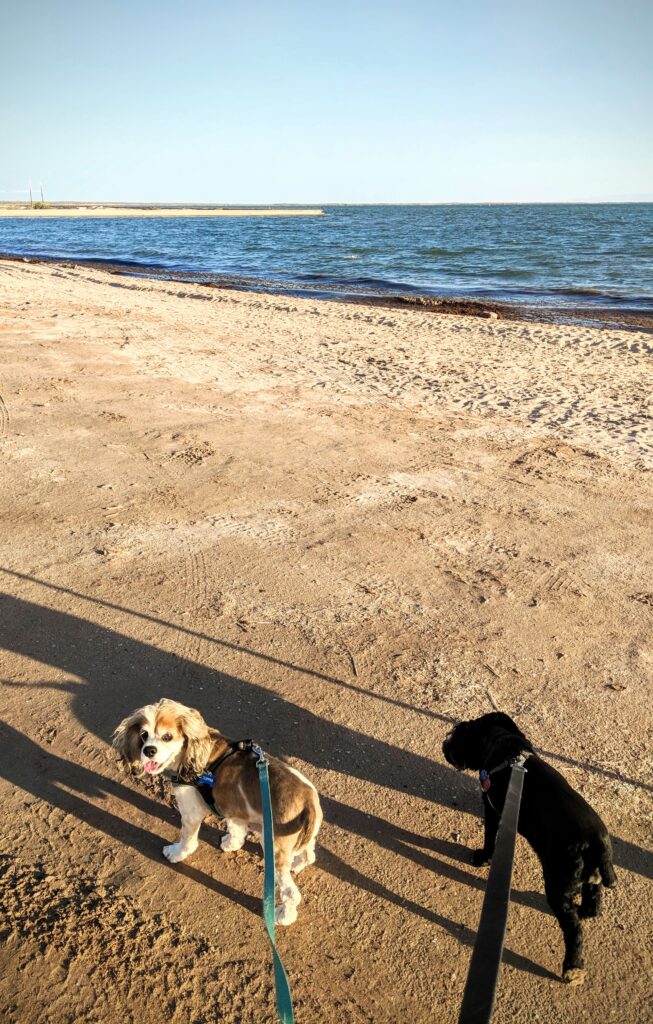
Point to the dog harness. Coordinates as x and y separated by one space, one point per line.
205 781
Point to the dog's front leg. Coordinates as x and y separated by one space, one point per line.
193 812
492 819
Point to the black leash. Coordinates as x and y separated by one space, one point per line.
478 998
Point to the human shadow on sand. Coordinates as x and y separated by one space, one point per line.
269 659
260 656
76 790
119 673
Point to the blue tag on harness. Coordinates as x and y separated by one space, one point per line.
206 779
485 780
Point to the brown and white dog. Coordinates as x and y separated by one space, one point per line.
169 737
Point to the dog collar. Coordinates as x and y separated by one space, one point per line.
518 761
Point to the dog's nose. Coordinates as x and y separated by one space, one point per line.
149 751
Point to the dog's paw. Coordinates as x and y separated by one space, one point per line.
285 914
574 976
479 858
175 853
585 913
230 844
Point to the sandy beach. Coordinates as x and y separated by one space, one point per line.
338 529
154 211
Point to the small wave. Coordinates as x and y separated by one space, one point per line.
450 253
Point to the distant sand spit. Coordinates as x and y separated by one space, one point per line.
125 211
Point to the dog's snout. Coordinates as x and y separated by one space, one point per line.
149 751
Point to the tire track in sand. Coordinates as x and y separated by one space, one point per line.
4 416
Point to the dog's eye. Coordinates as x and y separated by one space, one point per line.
167 737
144 735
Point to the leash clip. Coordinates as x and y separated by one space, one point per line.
519 762
261 759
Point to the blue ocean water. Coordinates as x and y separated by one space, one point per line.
553 256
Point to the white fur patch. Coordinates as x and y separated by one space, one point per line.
254 820
299 775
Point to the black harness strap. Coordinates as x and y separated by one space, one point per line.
478 998
205 781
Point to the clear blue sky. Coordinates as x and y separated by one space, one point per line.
419 100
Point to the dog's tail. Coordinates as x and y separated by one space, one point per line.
311 819
606 868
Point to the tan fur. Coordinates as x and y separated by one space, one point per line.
166 714
193 727
190 745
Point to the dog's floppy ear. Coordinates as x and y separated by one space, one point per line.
126 738
198 740
504 720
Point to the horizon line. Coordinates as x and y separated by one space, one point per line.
315 203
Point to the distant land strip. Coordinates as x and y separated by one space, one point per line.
134 210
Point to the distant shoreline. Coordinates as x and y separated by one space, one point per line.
108 210
234 209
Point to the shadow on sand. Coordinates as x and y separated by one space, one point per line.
117 673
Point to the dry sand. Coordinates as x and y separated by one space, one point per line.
163 211
337 529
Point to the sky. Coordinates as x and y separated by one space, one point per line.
305 102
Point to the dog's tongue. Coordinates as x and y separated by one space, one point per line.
151 766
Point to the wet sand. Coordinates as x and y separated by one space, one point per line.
336 528
597 316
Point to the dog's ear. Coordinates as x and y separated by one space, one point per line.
198 740
126 738
505 721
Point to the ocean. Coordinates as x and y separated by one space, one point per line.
548 257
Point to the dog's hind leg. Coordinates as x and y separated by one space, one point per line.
299 861
305 857
606 867
235 836
289 894
590 904
193 812
563 906
592 893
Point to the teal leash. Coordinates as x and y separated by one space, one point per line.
281 986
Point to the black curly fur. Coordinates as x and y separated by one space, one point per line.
567 835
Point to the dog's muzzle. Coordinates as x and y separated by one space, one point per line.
446 749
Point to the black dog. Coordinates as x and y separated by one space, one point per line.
567 835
